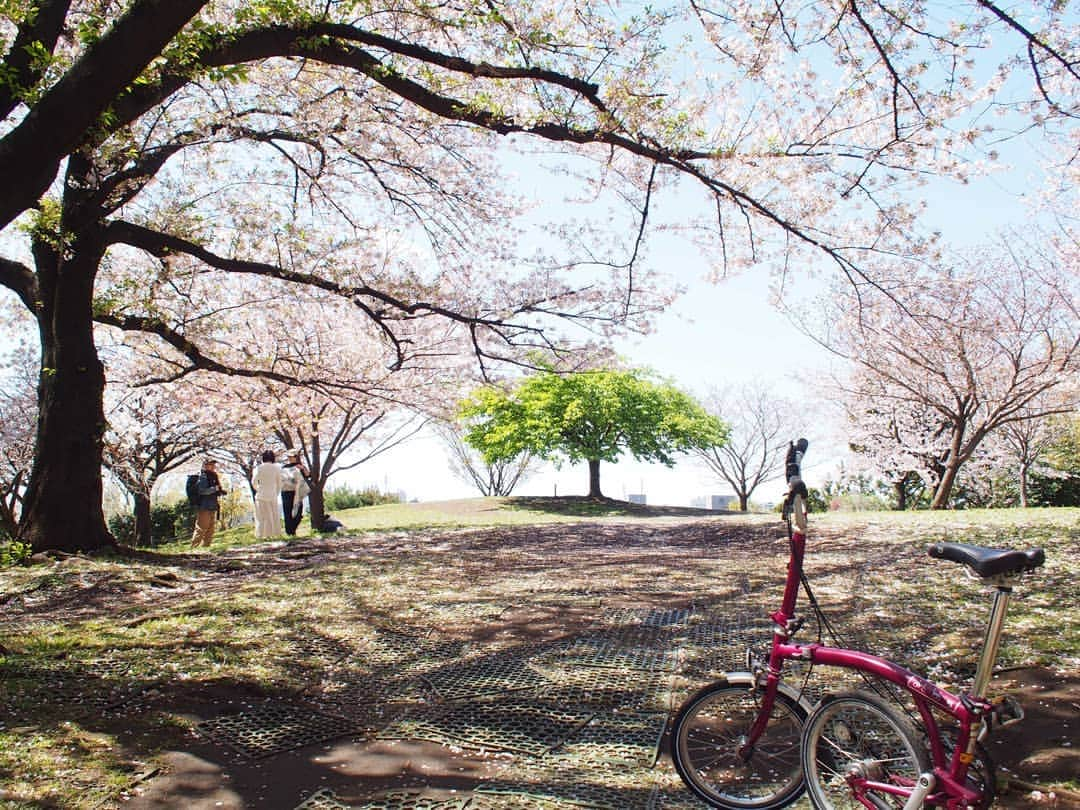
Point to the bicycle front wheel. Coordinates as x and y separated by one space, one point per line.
858 751
707 746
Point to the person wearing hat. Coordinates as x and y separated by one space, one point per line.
294 486
206 510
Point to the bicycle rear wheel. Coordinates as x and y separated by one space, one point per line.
709 731
860 736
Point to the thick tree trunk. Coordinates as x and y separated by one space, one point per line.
316 498
62 508
142 520
316 505
744 502
945 487
900 487
594 479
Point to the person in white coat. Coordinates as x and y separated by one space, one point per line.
267 483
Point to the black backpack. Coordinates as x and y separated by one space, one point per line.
193 490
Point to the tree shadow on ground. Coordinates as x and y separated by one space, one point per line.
408 644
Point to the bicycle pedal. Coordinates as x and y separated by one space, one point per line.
1007 711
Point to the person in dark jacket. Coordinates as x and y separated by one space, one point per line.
207 510
294 486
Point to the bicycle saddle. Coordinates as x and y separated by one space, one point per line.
989 562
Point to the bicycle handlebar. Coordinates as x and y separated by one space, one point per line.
796 486
795 454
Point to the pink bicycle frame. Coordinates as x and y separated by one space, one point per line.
950 773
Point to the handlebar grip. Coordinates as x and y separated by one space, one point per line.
796 487
796 451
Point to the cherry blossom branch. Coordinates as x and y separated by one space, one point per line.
31 152
310 42
379 306
1034 41
897 83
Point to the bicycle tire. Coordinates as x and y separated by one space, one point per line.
705 741
858 731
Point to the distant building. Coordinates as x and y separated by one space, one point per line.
637 498
721 501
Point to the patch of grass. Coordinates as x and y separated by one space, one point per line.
465 513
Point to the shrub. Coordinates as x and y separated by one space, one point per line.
122 527
817 501
236 509
12 552
167 522
345 497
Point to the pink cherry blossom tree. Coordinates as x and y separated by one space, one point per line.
152 431
956 356
334 433
352 410
895 438
18 409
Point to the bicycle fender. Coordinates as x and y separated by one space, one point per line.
747 679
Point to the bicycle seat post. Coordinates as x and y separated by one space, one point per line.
992 640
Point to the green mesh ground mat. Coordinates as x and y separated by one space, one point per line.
395 800
323 648
557 784
513 802
273 728
646 617
676 799
322 800
407 800
717 642
491 675
367 717
606 688
524 727
358 693
631 739
97 685
17 666
666 617
404 651
615 651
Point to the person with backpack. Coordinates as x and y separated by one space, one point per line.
206 490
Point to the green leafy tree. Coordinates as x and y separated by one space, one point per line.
590 416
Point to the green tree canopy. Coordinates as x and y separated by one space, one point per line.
591 416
